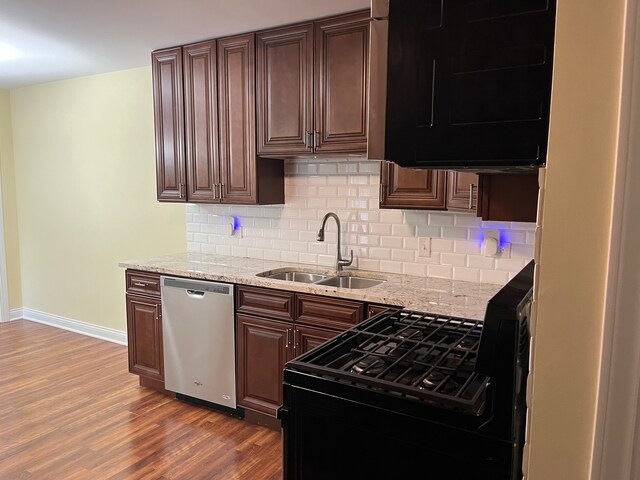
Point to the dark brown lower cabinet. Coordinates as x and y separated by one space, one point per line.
263 347
275 326
307 338
144 333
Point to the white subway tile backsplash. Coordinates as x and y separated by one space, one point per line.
428 231
454 233
391 267
382 240
441 245
441 219
454 259
440 271
468 274
468 247
392 242
414 269
402 255
494 276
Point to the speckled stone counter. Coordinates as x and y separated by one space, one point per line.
425 294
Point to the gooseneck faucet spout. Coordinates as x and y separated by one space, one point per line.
340 262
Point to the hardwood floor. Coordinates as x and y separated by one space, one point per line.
69 409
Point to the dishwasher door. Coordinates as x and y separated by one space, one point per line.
199 339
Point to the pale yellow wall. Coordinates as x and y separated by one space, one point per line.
575 237
7 173
85 182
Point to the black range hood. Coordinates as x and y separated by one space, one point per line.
468 83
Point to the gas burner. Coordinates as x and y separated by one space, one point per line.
432 380
466 343
368 366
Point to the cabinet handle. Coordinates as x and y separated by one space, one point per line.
215 193
471 187
381 195
221 188
288 338
182 190
370 313
307 140
139 284
316 139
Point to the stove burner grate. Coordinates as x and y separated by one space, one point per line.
421 356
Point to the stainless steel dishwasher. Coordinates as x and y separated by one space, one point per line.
199 340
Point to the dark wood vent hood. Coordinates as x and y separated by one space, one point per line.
468 83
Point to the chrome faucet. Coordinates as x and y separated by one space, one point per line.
340 262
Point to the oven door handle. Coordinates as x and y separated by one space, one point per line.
283 415
488 408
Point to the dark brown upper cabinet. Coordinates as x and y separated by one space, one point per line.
312 87
497 197
508 197
412 189
205 126
201 121
168 101
462 191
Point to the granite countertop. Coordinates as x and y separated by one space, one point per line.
425 294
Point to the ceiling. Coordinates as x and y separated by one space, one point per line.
43 41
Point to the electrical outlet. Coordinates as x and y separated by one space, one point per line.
491 243
424 246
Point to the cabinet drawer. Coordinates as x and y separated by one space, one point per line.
265 302
143 283
332 312
374 309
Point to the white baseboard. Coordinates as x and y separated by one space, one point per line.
15 314
103 333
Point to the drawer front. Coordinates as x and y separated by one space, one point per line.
143 283
331 312
374 309
265 302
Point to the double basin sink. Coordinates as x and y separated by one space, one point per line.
346 280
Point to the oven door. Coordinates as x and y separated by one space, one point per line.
325 436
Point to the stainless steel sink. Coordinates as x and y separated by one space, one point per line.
350 282
342 281
303 277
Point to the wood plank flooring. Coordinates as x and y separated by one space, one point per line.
69 409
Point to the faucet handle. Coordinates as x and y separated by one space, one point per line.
344 263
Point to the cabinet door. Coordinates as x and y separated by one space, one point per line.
414 189
169 123
308 338
341 84
508 197
285 90
237 118
462 191
263 347
144 332
201 121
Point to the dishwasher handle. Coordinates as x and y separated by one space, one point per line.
195 293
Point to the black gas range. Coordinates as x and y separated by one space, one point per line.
414 394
